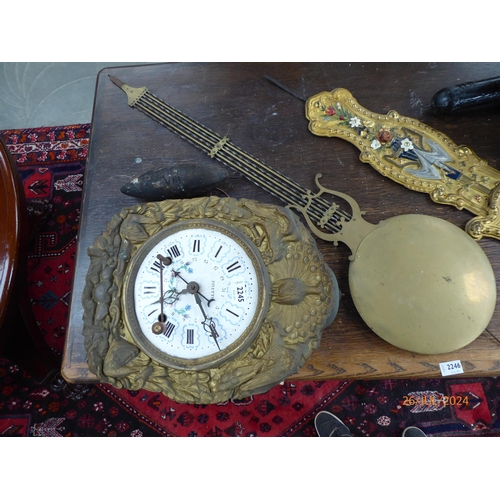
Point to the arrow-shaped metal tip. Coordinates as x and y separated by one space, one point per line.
115 80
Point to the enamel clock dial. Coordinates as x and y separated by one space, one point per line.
196 294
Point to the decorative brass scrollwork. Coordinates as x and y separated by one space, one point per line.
414 155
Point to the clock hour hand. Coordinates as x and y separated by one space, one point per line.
209 322
159 326
190 286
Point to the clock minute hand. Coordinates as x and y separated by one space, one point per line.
208 321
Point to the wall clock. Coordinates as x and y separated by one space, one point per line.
205 299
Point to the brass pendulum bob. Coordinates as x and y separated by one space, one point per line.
419 282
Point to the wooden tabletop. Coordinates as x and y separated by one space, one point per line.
238 101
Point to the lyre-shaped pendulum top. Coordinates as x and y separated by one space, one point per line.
352 230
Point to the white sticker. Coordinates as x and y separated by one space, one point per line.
451 368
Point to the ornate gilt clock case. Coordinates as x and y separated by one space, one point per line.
292 295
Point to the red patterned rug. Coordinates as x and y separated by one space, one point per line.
52 165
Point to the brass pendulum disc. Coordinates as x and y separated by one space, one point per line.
422 284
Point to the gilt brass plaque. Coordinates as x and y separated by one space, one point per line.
413 154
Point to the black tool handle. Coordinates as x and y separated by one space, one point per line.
467 95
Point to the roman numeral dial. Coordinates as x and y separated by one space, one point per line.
204 303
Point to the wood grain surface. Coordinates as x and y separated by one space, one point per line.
238 101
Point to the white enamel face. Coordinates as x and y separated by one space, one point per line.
210 292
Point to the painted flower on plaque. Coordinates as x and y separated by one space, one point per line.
330 111
406 144
384 135
354 122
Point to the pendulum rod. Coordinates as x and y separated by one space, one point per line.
221 149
